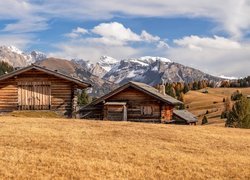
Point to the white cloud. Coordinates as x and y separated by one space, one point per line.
93 52
76 33
25 26
17 40
115 31
112 39
196 42
215 55
162 45
231 17
148 37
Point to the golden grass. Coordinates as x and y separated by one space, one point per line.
199 103
36 114
71 149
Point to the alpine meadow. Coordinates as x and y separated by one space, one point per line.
125 89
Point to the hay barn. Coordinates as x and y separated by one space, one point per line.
38 88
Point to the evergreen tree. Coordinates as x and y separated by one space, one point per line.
5 67
239 116
83 98
195 85
170 90
204 120
186 88
236 95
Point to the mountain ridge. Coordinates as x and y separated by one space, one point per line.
109 72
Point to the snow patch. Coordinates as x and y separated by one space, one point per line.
228 77
15 49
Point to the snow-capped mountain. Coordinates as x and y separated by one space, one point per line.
83 63
107 62
18 58
152 70
108 72
103 66
37 56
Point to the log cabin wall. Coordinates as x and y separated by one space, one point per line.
8 95
140 106
61 92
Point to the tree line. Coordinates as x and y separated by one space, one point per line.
243 82
178 89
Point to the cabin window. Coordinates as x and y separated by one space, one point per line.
147 110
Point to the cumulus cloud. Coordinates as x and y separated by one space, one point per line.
78 32
215 55
113 39
231 17
216 42
116 31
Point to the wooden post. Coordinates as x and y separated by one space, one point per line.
74 101
125 116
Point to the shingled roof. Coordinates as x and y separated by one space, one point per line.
151 91
79 82
185 115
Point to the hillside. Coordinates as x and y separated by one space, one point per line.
212 101
73 149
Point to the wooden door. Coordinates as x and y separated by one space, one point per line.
34 95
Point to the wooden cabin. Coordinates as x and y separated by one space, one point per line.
133 101
38 88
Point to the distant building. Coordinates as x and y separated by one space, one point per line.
134 101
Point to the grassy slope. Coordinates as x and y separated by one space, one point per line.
199 102
52 148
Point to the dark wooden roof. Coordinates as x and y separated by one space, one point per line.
151 91
79 82
185 115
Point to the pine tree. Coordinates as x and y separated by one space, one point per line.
195 85
170 90
204 120
5 67
83 98
239 116
186 88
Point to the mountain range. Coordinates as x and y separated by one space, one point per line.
108 73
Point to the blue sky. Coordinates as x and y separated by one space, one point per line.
210 35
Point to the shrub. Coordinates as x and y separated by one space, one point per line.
224 114
204 120
236 95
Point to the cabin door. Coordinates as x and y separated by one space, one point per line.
34 95
116 111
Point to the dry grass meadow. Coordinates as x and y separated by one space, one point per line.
199 103
53 148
